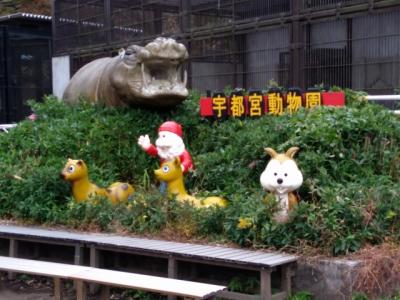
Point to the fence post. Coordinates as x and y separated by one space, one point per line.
296 44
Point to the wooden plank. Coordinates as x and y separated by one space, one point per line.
28 266
225 257
156 247
20 231
265 259
109 277
276 261
128 242
196 250
173 247
179 248
149 283
273 258
245 257
216 251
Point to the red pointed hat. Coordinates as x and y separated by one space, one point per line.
171 126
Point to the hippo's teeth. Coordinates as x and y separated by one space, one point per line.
184 78
144 77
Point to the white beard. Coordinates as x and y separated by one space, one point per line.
169 145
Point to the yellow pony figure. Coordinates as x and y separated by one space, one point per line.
171 173
76 172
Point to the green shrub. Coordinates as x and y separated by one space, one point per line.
303 295
349 157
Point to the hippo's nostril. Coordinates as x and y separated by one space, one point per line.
279 180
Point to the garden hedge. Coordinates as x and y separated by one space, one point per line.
349 158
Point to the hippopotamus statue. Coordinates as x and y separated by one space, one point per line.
150 76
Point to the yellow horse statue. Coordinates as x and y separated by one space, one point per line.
171 173
76 172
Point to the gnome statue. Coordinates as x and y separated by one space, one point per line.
168 145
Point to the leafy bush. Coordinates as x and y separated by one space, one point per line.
349 157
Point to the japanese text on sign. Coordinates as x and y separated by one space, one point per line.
256 104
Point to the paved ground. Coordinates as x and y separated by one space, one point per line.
23 290
11 295
39 288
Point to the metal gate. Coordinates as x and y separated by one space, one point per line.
247 43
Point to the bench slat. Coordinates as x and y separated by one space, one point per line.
156 284
158 247
150 283
38 267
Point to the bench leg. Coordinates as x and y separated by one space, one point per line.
78 258
265 282
57 289
172 272
81 292
95 263
105 292
13 252
286 280
78 255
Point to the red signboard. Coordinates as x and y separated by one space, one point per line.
257 104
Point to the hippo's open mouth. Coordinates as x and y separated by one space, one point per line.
164 77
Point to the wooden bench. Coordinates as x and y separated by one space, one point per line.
173 253
82 275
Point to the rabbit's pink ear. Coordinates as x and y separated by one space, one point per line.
271 152
292 151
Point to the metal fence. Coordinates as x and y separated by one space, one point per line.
246 43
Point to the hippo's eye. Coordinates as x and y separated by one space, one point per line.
286 174
275 174
71 169
165 169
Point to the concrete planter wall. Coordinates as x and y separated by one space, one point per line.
326 279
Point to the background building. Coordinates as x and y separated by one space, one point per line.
244 43
25 63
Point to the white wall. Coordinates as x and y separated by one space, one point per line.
61 74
